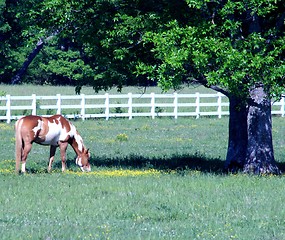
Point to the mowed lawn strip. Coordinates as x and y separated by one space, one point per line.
166 206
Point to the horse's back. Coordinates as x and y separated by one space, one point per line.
45 130
27 122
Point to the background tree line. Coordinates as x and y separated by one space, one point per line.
75 42
234 47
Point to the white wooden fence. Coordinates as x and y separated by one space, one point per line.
119 105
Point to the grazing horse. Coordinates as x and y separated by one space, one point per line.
55 131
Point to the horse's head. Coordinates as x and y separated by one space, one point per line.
83 161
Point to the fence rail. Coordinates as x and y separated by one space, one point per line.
119 105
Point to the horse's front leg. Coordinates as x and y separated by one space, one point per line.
51 156
63 147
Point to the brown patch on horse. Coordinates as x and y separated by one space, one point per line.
30 128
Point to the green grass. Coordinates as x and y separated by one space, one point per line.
168 206
18 90
183 195
141 142
150 179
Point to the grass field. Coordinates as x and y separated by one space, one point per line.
150 179
27 89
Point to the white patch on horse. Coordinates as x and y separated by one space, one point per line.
37 128
78 161
79 141
55 134
77 137
23 167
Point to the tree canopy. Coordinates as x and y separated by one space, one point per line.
227 44
230 44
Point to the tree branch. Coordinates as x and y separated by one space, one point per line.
18 77
22 71
203 81
218 89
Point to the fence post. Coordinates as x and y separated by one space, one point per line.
197 105
58 104
130 102
34 104
83 106
282 107
107 110
219 105
8 108
175 103
152 102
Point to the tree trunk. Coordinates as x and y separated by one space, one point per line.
18 77
250 146
260 154
237 143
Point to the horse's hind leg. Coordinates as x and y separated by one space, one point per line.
25 152
51 156
19 154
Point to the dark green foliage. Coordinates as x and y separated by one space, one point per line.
232 45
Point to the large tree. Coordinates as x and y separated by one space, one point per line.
237 48
234 47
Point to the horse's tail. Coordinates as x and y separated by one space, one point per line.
18 144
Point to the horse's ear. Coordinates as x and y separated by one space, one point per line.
88 152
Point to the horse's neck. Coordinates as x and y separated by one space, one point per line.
77 144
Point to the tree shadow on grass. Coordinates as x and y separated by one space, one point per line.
281 166
174 162
178 163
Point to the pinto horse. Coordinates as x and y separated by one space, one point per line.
55 131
